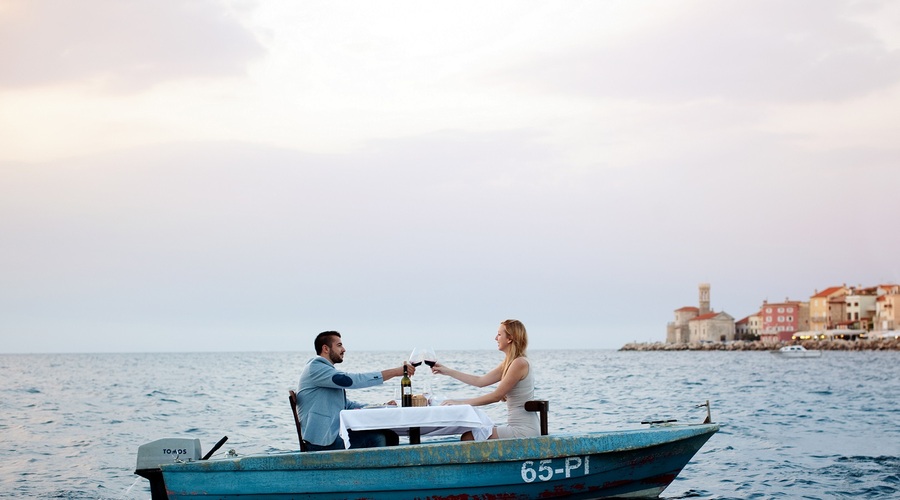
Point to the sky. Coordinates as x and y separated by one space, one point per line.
240 175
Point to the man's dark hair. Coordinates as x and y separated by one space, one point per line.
325 338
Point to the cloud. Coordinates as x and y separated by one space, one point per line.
747 51
453 231
722 144
126 46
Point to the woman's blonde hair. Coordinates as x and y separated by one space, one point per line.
516 332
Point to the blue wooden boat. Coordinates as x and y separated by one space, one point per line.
637 463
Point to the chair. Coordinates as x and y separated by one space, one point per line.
295 410
540 406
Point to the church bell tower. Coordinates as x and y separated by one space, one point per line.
704 298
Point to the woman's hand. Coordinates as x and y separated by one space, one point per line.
451 402
439 369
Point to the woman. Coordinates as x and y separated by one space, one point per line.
516 384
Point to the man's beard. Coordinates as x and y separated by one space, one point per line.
335 358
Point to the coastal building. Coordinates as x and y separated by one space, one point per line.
886 308
700 324
860 308
678 332
755 324
826 308
712 327
704 298
782 319
742 328
836 313
747 328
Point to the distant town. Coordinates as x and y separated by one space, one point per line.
838 317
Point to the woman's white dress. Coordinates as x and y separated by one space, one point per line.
521 423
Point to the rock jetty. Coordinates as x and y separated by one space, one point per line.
886 344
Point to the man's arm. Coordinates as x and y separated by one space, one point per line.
397 372
324 374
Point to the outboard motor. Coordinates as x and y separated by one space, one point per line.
164 451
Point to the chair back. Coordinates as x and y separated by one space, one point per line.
295 410
540 406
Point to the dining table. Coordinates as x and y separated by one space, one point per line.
418 421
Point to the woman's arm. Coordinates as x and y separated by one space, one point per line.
517 371
491 377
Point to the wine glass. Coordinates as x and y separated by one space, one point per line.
429 357
416 357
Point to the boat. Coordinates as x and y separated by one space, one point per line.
797 351
635 463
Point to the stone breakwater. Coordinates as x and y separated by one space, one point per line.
890 344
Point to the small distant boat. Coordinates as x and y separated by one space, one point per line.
797 351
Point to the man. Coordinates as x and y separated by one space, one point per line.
322 395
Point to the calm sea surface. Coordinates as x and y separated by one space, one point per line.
70 424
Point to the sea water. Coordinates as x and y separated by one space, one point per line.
70 424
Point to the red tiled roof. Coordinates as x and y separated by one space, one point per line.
687 308
828 291
706 316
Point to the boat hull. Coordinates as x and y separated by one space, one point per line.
797 354
638 463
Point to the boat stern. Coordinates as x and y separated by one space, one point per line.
164 451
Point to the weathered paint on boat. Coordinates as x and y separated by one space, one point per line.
632 463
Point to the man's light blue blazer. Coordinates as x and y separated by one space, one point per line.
322 395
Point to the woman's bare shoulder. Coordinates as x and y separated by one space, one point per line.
519 367
520 361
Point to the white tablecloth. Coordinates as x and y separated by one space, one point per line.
431 420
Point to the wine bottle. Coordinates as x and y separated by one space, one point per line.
405 388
